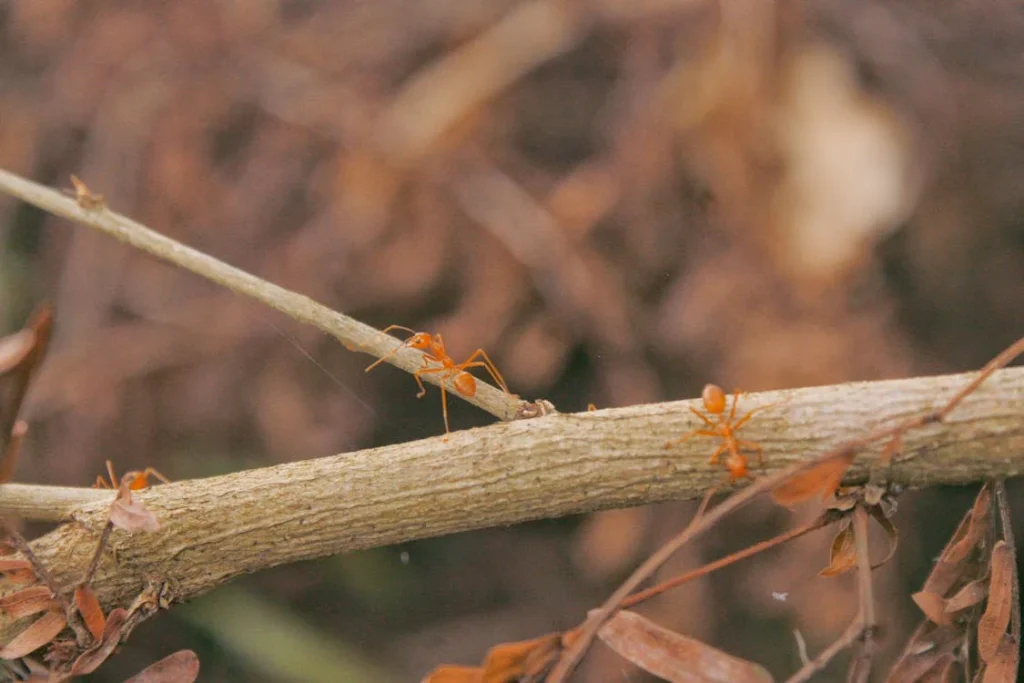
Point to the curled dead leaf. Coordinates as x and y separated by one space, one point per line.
673 656
180 667
39 633
843 554
993 623
890 531
822 479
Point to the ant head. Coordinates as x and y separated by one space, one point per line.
465 383
420 340
737 466
714 398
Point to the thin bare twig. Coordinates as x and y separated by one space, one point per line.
844 641
860 667
353 334
760 547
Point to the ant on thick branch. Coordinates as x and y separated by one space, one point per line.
725 428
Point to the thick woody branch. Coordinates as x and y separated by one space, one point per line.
353 334
215 529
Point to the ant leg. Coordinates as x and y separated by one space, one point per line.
754 448
397 327
489 364
713 460
685 437
745 418
444 410
735 399
154 472
384 358
428 371
110 473
702 416
101 483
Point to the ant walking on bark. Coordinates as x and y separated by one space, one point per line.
725 428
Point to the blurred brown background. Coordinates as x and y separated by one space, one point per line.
619 200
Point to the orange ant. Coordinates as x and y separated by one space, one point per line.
86 199
139 480
714 402
433 349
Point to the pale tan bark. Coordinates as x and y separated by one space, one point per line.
215 529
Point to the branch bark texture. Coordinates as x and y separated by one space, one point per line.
215 529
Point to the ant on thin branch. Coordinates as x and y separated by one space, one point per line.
433 349
140 480
714 402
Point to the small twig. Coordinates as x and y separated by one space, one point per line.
95 563
860 667
852 632
647 594
353 334
801 647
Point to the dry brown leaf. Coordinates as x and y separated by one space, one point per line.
968 596
17 571
512 661
453 674
26 602
91 659
843 555
180 667
933 606
89 607
673 656
823 479
977 528
505 663
8 564
951 565
43 630
1002 667
993 623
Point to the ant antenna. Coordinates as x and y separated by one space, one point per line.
344 387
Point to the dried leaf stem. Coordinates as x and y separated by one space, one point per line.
353 334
